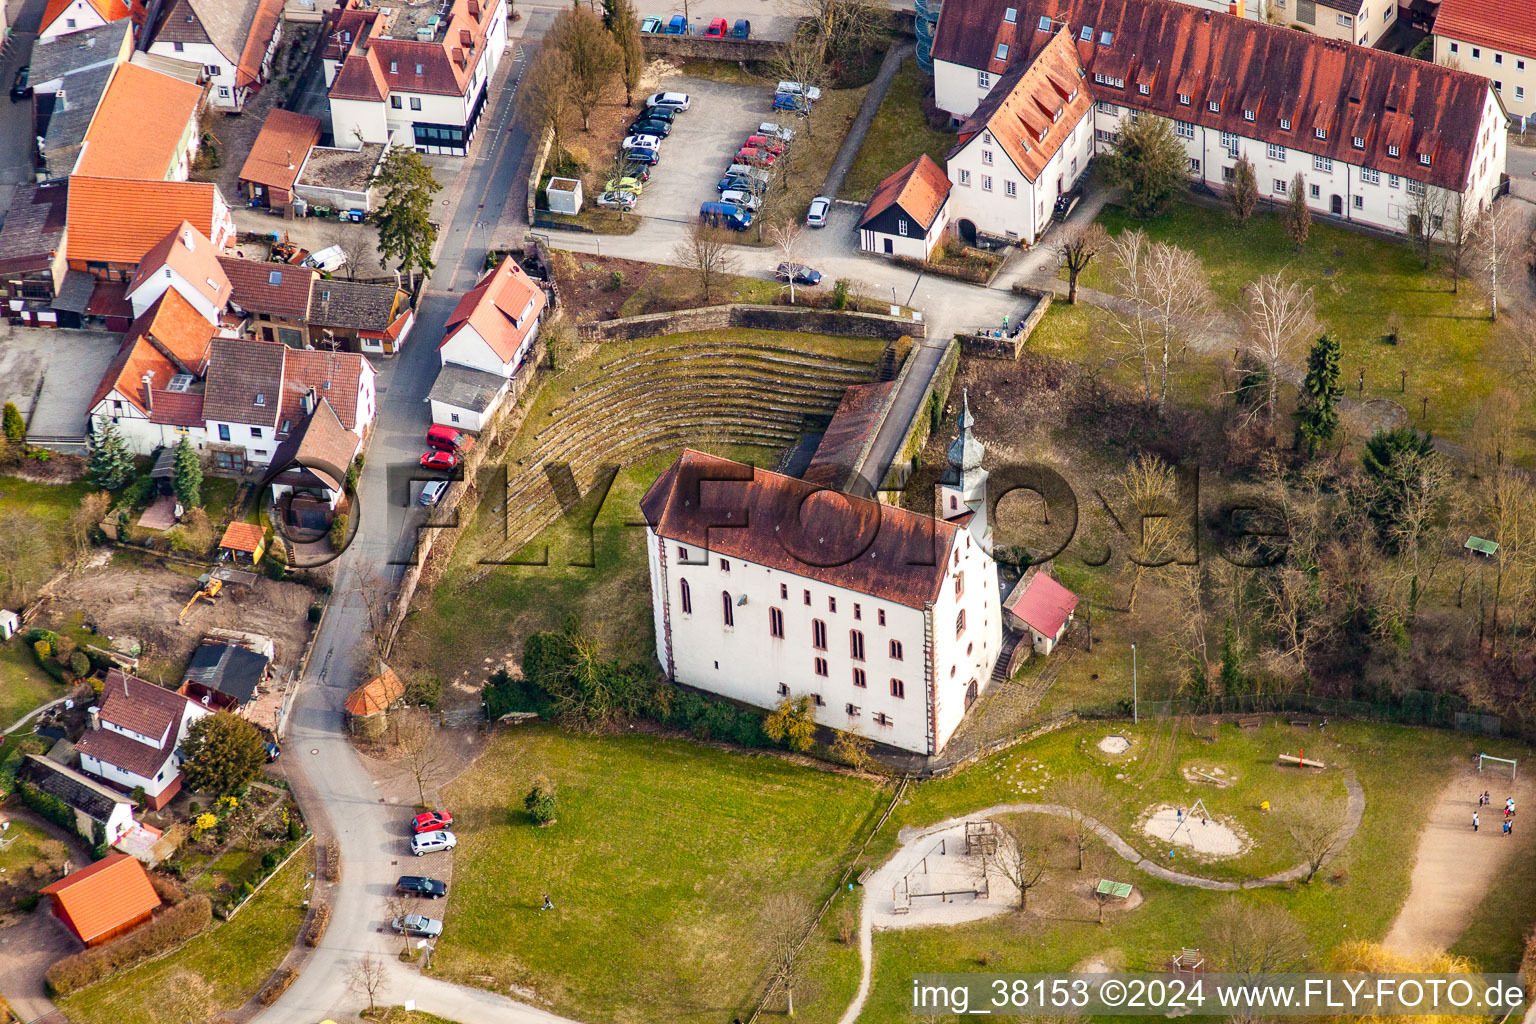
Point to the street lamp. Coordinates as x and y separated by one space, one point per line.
1135 713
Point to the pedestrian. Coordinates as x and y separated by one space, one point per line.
1506 826
1181 815
1474 828
1005 321
547 904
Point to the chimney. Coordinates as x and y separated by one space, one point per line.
187 236
149 391
95 715
458 56
474 9
307 401
1236 9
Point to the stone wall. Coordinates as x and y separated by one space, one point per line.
936 394
842 323
1009 346
699 48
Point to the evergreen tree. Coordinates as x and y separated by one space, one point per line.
189 474
1318 417
15 426
222 753
1298 215
406 231
111 463
1243 192
1149 160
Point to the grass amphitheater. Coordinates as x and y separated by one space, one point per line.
744 394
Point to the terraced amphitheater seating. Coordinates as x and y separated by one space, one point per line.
845 323
631 404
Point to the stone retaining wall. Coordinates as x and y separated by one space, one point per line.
700 48
841 323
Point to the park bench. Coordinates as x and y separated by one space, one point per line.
1304 722
1249 722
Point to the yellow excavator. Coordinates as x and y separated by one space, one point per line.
208 590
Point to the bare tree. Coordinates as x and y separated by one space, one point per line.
595 59
803 60
354 245
1424 216
1077 245
417 740
397 906
1500 242
708 252
1460 234
1018 856
1513 517
624 23
1496 426
23 553
368 975
1253 938
1316 829
1166 302
378 597
1084 796
86 519
1281 317
545 100
784 923
1150 490
786 239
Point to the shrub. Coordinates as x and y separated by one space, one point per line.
80 664
194 808
540 801
317 924
168 929
424 688
43 649
338 533
28 903
139 795
840 293
295 830
167 888
276 986
332 861
270 860
616 280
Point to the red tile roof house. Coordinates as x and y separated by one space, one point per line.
272 168
908 212
186 261
1369 131
151 391
490 335
233 39
61 17
133 737
411 75
1496 38
1042 608
107 899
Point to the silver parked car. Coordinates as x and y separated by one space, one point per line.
418 924
817 216
433 842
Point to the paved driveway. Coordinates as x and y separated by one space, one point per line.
28 950
69 363
702 143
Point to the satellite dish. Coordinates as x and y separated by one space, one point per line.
741 600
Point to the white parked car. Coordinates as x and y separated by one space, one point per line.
676 100
777 131
330 259
799 89
433 842
641 142
737 197
817 216
617 200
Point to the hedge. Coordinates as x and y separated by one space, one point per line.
332 861
168 929
168 889
50 807
276 986
317 924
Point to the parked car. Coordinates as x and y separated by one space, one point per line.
433 842
617 200
651 26
641 142
449 439
439 460
776 130
677 26
431 821
21 86
421 885
661 112
273 752
811 93
742 198
433 492
791 101
798 273
816 217
330 259
716 29
742 29
771 143
418 924
639 172
747 171
639 155
675 100
647 126
753 155
628 183
725 215
739 184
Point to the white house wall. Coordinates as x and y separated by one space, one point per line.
163 280
1513 74
1020 216
81 13
917 247
355 121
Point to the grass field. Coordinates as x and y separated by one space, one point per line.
659 866
40 514
235 957
898 135
1447 346
23 686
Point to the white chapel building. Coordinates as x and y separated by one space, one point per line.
764 586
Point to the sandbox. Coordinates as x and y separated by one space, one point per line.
1114 744
1207 836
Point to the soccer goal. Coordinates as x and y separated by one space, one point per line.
1487 762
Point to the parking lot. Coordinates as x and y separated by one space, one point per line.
68 364
704 139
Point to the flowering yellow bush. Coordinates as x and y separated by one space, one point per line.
226 804
205 822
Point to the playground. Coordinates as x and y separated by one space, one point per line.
1194 828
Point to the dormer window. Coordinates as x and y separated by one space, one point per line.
1002 51
1184 99
261 399
1043 134
1011 15
1393 151
1285 124
394 67
1424 159
1359 142
1045 23
1247 115
1146 90
1086 34
1322 133
1215 106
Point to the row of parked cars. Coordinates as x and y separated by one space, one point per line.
429 834
678 25
747 178
641 149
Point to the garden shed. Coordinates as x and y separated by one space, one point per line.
564 195
368 705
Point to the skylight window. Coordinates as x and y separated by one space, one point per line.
1106 37
1045 23
1002 51
275 277
1086 35
1011 15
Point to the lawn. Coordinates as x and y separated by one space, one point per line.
815 149
1447 346
23 686
663 857
39 512
235 957
898 135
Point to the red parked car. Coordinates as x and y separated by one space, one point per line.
439 460
449 439
431 821
774 146
756 157
716 30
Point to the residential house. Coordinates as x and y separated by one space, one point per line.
151 392
1495 39
69 76
224 676
101 814
1027 144
1370 132
134 735
887 619
1041 608
184 260
369 704
113 222
110 898
352 316
1362 22
491 331
413 75
234 40
63 17
908 212
341 179
146 127
269 301
32 261
309 482
271 170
